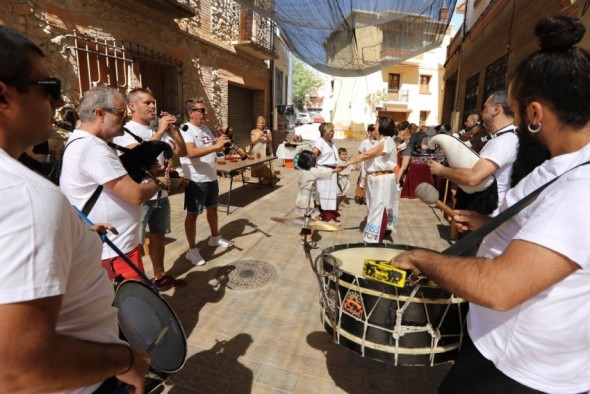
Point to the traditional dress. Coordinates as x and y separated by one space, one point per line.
327 189
381 193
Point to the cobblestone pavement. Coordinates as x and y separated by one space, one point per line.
270 339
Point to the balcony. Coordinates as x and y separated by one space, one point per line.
171 8
400 96
255 36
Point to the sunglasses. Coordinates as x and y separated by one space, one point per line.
52 85
201 110
118 111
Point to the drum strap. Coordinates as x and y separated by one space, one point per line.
468 245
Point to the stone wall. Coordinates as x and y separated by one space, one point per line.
209 63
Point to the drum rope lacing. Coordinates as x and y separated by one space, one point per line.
335 313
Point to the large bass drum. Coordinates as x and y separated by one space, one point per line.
419 324
145 317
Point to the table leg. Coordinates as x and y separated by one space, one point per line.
231 183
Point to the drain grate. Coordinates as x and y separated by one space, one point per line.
246 274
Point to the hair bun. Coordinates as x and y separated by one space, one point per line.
559 33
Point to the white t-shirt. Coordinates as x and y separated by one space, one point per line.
46 251
385 162
89 162
544 343
199 169
502 151
145 133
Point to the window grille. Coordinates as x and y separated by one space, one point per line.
100 61
471 89
495 76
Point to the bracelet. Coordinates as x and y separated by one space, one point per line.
131 360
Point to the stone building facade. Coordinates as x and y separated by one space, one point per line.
180 49
482 56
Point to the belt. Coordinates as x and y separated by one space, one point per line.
327 166
377 173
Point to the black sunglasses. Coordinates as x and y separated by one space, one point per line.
51 85
201 110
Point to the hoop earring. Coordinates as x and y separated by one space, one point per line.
534 130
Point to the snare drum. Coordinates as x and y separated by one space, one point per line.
143 317
419 324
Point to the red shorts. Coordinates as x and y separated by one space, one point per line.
117 266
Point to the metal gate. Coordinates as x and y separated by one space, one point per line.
241 114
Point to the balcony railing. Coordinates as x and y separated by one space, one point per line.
256 35
399 96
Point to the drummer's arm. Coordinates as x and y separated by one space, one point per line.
465 176
522 271
38 359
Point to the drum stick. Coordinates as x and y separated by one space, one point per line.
429 195
159 338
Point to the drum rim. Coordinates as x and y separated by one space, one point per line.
173 316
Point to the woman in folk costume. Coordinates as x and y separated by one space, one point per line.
261 139
327 156
380 184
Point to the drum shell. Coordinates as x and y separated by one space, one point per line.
143 314
430 312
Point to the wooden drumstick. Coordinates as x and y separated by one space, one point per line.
429 195
159 338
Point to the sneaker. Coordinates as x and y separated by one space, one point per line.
167 282
218 241
195 257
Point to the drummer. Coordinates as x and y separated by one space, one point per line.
529 287
58 328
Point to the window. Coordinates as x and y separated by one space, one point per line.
425 83
394 83
471 89
423 117
495 76
101 62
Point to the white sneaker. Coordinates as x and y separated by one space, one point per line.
195 257
218 241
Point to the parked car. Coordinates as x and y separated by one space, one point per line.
303 118
318 119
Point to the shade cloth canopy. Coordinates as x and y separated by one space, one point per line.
357 37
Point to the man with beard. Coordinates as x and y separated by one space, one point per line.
496 159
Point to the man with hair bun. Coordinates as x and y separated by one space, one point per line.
529 286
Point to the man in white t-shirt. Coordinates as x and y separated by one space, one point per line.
55 299
156 211
496 157
89 162
198 167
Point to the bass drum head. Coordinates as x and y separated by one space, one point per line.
143 314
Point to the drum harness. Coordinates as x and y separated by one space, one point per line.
467 246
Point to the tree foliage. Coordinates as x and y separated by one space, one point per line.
305 80
375 99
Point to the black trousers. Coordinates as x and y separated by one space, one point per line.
472 373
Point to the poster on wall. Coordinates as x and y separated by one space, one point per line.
284 122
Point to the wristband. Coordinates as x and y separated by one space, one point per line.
131 360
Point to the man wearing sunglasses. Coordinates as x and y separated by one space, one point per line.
55 301
198 168
89 162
